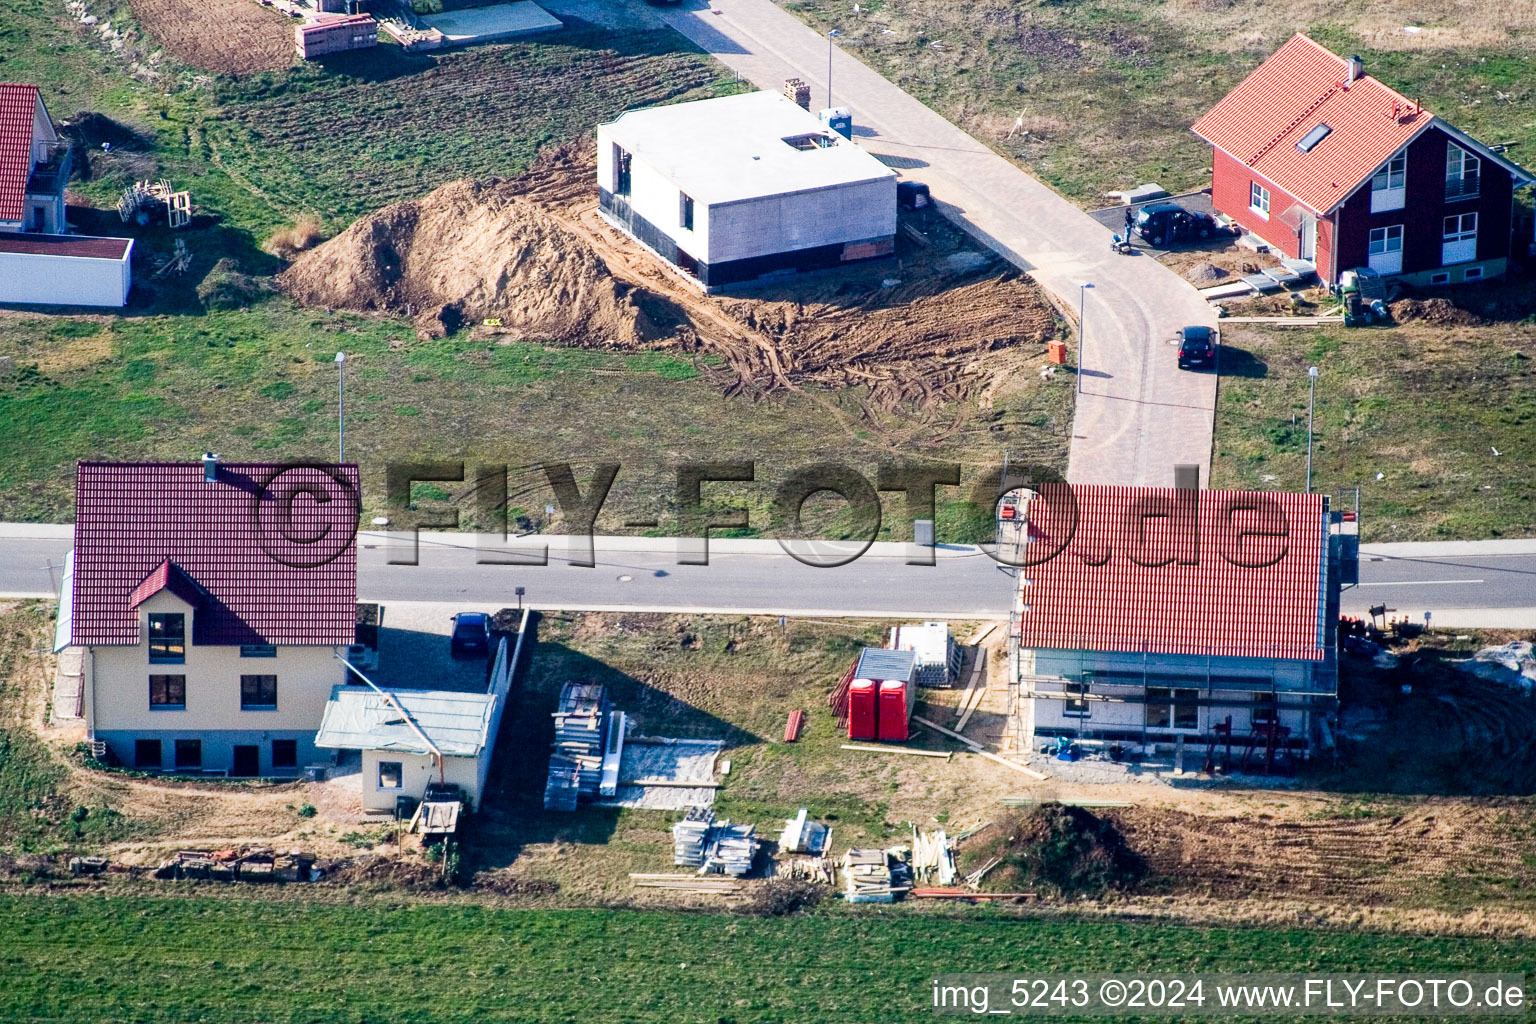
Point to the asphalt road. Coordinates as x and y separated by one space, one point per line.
1462 585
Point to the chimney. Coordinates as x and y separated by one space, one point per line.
210 468
1356 68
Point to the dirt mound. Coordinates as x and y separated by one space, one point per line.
534 255
1204 273
1056 850
1437 311
468 252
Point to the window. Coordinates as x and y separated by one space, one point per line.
1441 278
1385 251
167 693
258 693
1310 140
189 754
167 639
621 171
391 775
1472 274
685 210
285 754
1076 704
1258 199
1461 173
146 754
1264 712
1172 709
258 650
1460 239
1394 174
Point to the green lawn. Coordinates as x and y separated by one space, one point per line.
1425 407
283 957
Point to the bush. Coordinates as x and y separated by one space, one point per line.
227 287
289 242
781 897
307 810
1057 850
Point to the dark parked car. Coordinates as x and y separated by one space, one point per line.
471 635
1197 347
1165 223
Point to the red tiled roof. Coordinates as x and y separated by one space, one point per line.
1300 86
90 246
266 554
1226 589
18 109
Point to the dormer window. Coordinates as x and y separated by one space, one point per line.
1313 137
167 638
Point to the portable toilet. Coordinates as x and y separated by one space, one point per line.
839 119
863 696
890 678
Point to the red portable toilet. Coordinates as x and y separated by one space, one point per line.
887 681
862 712
895 709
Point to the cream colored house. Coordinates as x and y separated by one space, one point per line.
210 639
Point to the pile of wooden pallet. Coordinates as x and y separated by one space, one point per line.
871 876
247 864
581 729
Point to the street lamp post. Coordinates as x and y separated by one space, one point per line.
830 36
1311 394
341 407
1082 334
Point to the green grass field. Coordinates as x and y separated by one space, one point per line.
281 957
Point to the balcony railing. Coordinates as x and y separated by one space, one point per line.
51 174
1461 188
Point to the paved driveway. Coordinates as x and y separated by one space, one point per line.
1137 416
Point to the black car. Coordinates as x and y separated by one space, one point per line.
471 635
1197 347
1165 223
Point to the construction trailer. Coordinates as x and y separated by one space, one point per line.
938 656
740 188
335 33
1208 624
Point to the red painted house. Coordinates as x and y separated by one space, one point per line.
1323 162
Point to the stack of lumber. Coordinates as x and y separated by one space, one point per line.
933 857
581 730
813 869
867 877
692 884
689 837
941 893
732 849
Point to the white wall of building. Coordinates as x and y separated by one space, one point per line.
654 197
417 772
64 280
117 684
802 220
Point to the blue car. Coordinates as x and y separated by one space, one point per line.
471 635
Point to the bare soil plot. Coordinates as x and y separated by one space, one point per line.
534 255
236 37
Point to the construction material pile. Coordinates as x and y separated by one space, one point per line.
470 252
581 731
874 876
246 864
714 847
933 857
803 836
